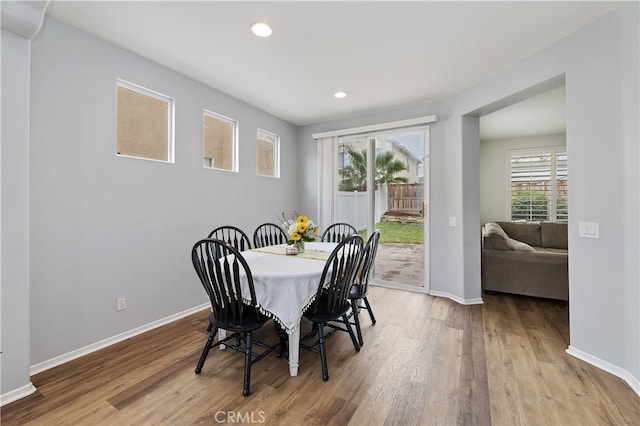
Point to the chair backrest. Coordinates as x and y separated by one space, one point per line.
365 266
269 234
232 235
338 274
337 232
220 268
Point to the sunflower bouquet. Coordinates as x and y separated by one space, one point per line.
299 229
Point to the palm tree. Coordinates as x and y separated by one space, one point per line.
387 167
354 176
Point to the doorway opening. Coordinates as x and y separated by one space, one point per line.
523 184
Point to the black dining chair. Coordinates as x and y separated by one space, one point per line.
337 232
360 287
331 301
232 235
269 234
219 268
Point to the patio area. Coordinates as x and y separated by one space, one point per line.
400 263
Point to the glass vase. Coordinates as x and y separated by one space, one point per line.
299 245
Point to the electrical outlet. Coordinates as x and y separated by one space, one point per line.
121 304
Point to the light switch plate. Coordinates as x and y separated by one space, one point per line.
589 230
452 221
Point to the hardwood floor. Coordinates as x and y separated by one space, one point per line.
427 361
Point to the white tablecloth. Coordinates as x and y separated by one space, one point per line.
286 285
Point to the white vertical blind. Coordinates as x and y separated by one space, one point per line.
327 185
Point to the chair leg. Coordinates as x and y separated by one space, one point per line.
345 319
284 341
210 324
366 302
356 319
247 364
207 348
323 353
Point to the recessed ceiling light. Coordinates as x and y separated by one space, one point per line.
340 94
261 29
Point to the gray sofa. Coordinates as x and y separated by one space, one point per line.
527 258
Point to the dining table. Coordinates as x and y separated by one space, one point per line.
285 285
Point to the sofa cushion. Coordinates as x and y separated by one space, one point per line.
496 238
554 235
527 232
520 246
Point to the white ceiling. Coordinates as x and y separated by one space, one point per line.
384 54
543 114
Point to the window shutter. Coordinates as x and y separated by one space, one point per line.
538 185
562 193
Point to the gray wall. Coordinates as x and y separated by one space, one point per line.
104 226
494 172
600 67
14 214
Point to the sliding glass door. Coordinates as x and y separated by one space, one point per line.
381 181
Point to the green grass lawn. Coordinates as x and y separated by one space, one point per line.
391 232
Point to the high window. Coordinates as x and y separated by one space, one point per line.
144 123
268 153
538 189
220 142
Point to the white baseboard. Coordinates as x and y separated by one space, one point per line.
634 382
69 356
455 298
16 394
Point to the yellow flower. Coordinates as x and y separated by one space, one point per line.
299 228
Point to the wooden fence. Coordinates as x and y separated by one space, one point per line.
406 198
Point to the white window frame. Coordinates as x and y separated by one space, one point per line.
234 142
276 153
552 193
170 119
